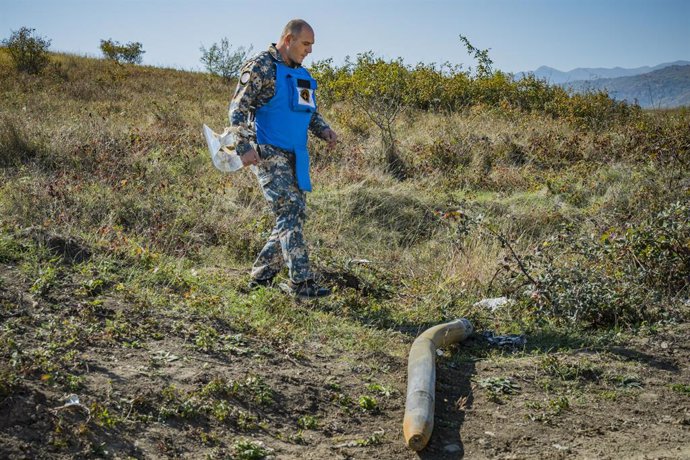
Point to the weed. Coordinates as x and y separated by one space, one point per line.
375 439
554 366
209 438
307 422
625 381
58 438
75 382
342 400
92 287
499 385
368 403
118 328
333 386
220 410
234 343
47 279
559 404
546 413
381 390
298 438
257 388
610 395
206 338
533 405
103 416
250 450
170 404
682 388
220 388
245 421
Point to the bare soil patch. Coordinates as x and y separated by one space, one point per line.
148 389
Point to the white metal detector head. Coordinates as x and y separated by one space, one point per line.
222 149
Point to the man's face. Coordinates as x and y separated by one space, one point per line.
299 46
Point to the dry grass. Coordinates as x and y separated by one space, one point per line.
121 152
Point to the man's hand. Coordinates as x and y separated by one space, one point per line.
329 136
250 157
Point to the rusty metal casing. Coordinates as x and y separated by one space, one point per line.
421 379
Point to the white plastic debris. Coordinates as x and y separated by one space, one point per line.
494 303
509 340
72 400
360 261
222 149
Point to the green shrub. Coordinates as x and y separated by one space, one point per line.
627 276
382 88
28 50
656 251
595 110
222 60
130 53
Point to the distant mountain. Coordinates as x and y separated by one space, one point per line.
664 88
558 77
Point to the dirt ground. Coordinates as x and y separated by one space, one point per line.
152 395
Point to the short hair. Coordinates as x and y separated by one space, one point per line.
294 27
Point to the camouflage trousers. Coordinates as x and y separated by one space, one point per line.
285 246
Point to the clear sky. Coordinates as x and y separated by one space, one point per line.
522 34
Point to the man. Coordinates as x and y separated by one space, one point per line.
275 99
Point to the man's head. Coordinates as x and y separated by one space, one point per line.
296 41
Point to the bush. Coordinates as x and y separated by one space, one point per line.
28 51
221 60
378 88
619 278
383 88
129 53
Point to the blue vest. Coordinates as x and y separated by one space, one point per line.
284 120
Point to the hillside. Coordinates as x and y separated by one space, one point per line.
558 77
127 329
665 88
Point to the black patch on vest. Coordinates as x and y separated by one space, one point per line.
303 83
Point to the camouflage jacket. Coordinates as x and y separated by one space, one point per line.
255 88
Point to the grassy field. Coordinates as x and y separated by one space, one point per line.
127 332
